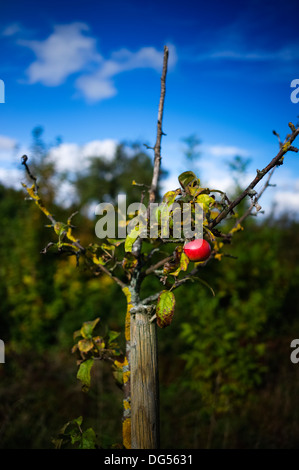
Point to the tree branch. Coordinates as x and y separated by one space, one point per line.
157 265
115 279
33 193
154 297
260 174
256 198
157 148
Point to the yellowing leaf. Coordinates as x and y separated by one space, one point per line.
84 374
99 342
88 327
165 308
85 345
189 182
210 234
59 228
131 239
97 260
184 262
170 196
104 246
206 201
237 228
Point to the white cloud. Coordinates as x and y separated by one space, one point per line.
66 194
64 52
69 50
11 177
7 143
170 183
69 157
74 157
286 201
145 57
214 173
286 193
285 54
8 149
99 84
11 29
214 170
225 151
95 87
100 148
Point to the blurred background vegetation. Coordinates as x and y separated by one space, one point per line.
226 379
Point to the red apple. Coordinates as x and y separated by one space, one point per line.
197 250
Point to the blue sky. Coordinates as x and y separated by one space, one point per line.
90 73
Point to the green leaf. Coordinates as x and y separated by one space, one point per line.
75 436
165 308
84 374
60 228
77 334
88 439
189 182
78 421
112 335
69 433
88 327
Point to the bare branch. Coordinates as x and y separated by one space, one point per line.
158 264
188 277
157 148
151 298
33 193
24 160
257 197
115 279
260 174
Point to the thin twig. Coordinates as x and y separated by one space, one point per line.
31 176
257 197
260 174
34 193
115 279
151 298
158 264
136 250
188 277
157 148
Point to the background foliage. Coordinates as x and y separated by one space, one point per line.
225 372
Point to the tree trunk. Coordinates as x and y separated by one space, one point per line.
144 381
